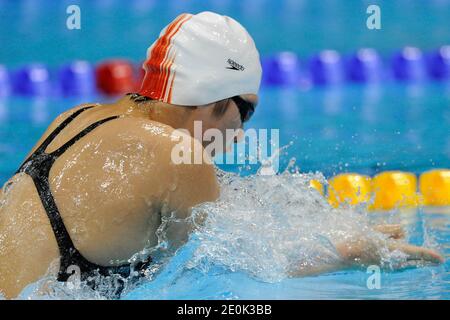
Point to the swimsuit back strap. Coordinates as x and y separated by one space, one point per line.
60 127
80 135
41 180
52 135
39 166
68 252
63 239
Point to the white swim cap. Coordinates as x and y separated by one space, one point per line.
200 59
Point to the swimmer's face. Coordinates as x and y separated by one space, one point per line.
228 122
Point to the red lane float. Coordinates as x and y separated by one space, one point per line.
115 77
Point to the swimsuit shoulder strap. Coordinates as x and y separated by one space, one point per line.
80 135
52 136
59 128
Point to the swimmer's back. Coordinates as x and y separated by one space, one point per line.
111 187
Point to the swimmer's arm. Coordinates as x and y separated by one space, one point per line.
394 231
187 185
351 253
197 184
306 271
364 252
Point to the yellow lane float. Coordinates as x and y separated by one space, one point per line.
435 187
394 189
388 190
350 188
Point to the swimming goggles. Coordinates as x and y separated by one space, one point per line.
246 108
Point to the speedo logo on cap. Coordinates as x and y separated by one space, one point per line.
234 65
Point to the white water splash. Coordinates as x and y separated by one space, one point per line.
268 226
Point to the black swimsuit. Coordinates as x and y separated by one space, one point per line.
38 167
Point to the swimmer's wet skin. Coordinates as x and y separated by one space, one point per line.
364 251
99 182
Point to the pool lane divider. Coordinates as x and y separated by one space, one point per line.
388 190
327 67
77 78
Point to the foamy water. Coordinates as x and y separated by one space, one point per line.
271 226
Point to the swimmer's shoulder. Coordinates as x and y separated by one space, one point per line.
158 137
152 133
196 182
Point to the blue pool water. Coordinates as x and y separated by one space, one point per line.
351 128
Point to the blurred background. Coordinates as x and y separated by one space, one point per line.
340 108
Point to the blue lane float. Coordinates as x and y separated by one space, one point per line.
439 63
409 65
77 78
5 85
281 69
33 79
327 68
365 66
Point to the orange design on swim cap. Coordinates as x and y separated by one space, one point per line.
158 66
